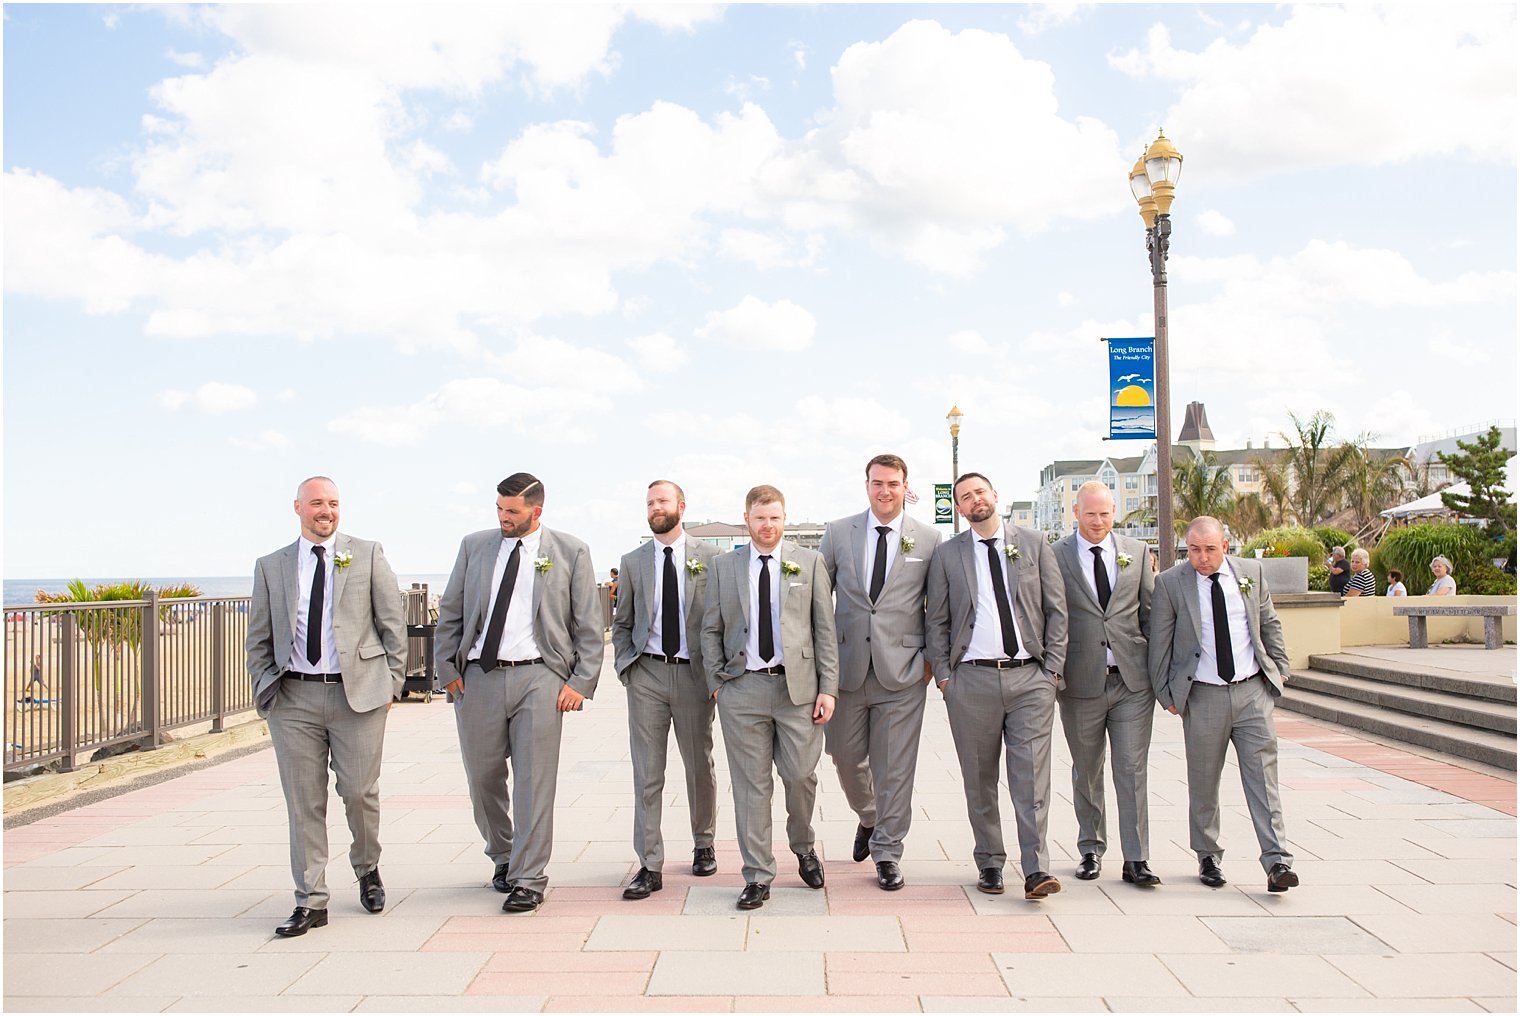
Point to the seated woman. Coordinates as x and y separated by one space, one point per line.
1445 584
1396 583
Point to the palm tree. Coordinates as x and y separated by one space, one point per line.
1372 484
1200 487
1318 467
1248 516
1276 489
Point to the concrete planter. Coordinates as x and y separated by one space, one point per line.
1286 574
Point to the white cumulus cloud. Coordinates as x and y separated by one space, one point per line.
211 397
659 352
1215 223
756 325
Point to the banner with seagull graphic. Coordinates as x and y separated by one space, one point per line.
1132 389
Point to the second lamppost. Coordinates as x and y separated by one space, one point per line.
1153 181
954 420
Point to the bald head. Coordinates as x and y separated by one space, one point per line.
317 508
1094 511
1206 544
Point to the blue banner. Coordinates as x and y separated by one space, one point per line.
1132 389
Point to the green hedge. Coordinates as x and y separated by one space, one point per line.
1287 541
1329 537
1411 550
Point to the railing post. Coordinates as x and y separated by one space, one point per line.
218 665
68 691
150 674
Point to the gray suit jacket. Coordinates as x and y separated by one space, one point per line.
567 608
888 634
809 647
369 624
635 608
1175 635
1039 595
1092 631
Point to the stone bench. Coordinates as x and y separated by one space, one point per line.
1493 635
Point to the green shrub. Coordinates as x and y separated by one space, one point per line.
1287 541
1411 549
1329 537
1319 578
1486 580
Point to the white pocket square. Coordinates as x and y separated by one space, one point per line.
914 560
794 585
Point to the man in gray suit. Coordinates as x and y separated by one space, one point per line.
997 643
1218 658
772 663
326 652
657 642
1108 690
519 643
878 563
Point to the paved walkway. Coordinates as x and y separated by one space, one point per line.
164 899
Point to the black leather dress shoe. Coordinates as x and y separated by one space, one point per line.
754 896
811 869
862 843
1089 866
889 876
644 883
522 900
1139 873
372 892
704 862
499 880
1209 872
991 881
1040 885
1281 878
301 921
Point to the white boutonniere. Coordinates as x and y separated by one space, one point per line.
791 568
1124 560
906 545
694 566
1245 586
342 559
1012 552
542 564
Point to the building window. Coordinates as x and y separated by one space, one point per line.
1132 483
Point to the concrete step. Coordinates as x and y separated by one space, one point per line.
1498 688
1485 746
1437 705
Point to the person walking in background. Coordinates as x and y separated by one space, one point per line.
327 654
36 690
519 644
657 647
1396 583
878 563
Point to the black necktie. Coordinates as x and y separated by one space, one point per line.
1100 576
879 567
767 634
314 612
490 650
1005 611
670 607
1224 652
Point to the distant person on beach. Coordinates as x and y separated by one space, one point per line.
1396 583
1362 583
36 690
327 652
1340 571
1445 584
519 644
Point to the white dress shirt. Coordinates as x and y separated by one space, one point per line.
893 538
306 570
517 641
656 643
1240 629
752 660
987 628
1110 561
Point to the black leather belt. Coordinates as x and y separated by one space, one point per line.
323 678
1113 670
666 659
1235 681
510 663
1000 664
775 671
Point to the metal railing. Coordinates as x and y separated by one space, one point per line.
84 676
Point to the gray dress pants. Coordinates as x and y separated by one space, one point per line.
661 696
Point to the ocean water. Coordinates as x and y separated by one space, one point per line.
24 591
1131 422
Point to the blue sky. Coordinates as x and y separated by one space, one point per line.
418 249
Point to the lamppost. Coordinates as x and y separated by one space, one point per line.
954 420
1153 181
